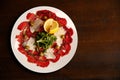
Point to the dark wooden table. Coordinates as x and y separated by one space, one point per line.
98 52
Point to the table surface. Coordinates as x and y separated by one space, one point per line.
98 53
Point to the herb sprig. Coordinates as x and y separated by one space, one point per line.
45 40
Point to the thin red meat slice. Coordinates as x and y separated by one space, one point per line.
31 16
23 25
31 59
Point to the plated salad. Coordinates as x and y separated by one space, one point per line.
44 37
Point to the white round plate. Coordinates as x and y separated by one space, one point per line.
52 66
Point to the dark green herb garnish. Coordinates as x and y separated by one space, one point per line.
45 40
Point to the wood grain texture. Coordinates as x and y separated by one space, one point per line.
98 53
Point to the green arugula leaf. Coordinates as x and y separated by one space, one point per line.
45 40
